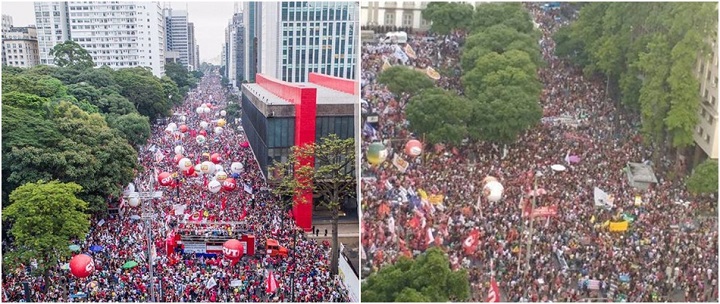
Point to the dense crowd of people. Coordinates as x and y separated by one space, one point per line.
438 200
185 276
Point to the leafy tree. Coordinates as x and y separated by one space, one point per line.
501 113
439 115
448 16
402 80
99 78
428 278
684 93
45 216
70 53
704 178
134 127
499 39
11 70
178 73
513 68
512 15
654 94
60 141
171 90
115 103
144 90
40 85
332 177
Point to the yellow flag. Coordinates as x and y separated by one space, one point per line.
592 219
423 194
606 223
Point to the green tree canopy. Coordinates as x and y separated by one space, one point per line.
144 90
512 15
70 53
448 16
704 178
134 127
501 113
61 141
499 39
439 115
332 178
402 80
512 68
428 278
45 217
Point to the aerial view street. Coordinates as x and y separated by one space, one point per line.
135 170
539 152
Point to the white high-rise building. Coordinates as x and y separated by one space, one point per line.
20 47
116 34
706 131
297 38
7 23
178 37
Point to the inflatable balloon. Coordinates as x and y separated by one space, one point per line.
198 169
206 110
177 158
218 130
413 148
165 179
204 105
203 124
199 110
229 184
203 132
172 126
183 128
216 158
185 164
82 265
223 113
189 171
200 139
207 167
179 150
376 153
221 122
183 118
134 201
219 168
233 249
214 186
493 190
221 176
236 167
168 131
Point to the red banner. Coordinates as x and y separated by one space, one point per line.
540 211
493 292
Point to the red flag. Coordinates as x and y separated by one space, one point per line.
493 292
222 205
470 243
244 214
271 283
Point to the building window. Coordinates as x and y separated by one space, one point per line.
390 18
707 139
407 19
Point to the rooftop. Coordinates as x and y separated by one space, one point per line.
324 95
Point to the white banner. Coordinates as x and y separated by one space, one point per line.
195 247
349 279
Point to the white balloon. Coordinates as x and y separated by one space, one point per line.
199 110
179 150
207 167
172 126
134 201
223 113
183 118
214 186
493 191
198 170
200 139
204 105
221 176
184 164
219 168
236 167
204 124
206 110
218 130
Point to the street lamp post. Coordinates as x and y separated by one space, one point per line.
147 215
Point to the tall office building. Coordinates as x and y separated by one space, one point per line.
250 13
177 36
116 34
20 47
191 47
197 56
297 38
235 50
7 23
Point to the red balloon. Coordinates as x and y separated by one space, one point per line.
177 158
413 147
183 128
229 184
215 158
232 249
165 179
203 133
82 265
189 171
